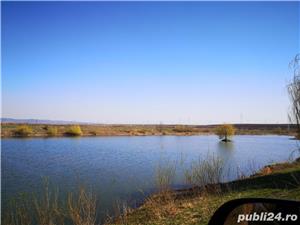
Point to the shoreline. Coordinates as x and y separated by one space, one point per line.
154 135
279 180
42 130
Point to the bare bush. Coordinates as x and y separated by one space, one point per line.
164 176
294 93
205 171
82 208
44 209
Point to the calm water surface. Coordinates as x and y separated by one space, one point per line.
117 168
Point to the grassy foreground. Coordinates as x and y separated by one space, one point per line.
50 130
195 206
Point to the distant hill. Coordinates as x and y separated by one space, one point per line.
37 121
63 122
252 126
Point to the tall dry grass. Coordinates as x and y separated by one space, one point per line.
78 209
46 207
205 171
162 203
202 172
121 211
18 212
164 176
82 208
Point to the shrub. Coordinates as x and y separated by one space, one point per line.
22 131
182 129
74 131
93 133
164 176
141 131
45 208
52 131
205 171
225 131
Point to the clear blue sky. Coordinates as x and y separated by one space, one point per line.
141 62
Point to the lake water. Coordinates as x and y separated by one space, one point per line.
118 168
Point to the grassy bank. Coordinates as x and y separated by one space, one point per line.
47 130
196 206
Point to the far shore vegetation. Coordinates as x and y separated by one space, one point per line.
50 130
73 131
22 131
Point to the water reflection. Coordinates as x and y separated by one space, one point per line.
226 150
226 145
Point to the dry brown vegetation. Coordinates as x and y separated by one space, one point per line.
196 205
47 209
46 130
51 131
205 171
22 131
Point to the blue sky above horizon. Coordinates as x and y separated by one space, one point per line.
148 62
